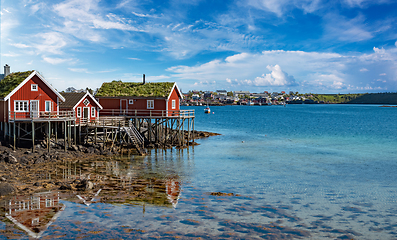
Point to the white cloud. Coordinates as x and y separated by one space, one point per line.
293 69
382 74
277 77
137 59
79 70
50 42
347 30
56 61
10 54
20 45
279 7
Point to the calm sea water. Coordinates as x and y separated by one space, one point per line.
300 171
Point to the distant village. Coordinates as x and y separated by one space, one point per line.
223 97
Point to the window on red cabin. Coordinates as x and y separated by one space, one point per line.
92 111
79 112
34 87
48 106
86 102
20 106
150 104
173 104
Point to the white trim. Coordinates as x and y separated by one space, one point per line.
180 93
27 79
38 105
88 94
45 105
126 104
147 104
88 112
130 101
22 101
173 104
34 89
77 112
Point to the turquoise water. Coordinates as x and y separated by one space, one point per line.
300 171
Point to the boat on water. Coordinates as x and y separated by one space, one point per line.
207 109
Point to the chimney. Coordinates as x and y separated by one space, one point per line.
6 70
143 79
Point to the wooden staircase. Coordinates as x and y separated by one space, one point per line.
136 138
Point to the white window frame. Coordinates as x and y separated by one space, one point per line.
50 106
150 104
86 102
78 113
92 111
173 104
34 87
131 101
21 106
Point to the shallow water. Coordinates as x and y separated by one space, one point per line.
300 171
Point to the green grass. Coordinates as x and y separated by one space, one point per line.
133 89
10 82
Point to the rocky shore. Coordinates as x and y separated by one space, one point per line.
23 171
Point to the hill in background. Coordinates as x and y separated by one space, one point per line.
366 98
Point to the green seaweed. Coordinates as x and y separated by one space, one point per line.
134 89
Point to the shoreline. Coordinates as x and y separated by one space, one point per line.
25 172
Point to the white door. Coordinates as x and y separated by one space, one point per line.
34 109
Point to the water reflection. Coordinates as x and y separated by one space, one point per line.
34 213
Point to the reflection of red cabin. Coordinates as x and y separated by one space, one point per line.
27 95
34 213
84 105
139 99
173 191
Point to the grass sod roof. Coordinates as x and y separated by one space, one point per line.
135 89
10 82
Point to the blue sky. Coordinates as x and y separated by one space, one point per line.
318 46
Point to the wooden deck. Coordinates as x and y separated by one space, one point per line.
42 116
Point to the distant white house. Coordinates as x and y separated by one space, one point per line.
222 92
241 93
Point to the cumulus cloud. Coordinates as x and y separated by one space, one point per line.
277 77
306 71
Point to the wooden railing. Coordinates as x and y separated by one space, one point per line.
146 113
41 115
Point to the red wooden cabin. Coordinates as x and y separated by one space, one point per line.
85 106
160 99
27 95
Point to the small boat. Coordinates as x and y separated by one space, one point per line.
207 110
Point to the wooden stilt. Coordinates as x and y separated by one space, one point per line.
19 134
49 136
74 134
65 134
33 136
15 137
